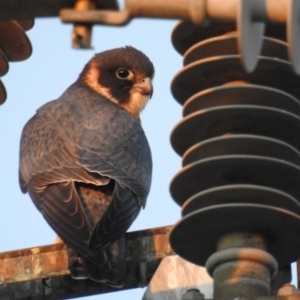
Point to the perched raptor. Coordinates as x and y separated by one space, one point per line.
86 163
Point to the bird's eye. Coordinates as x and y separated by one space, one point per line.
123 73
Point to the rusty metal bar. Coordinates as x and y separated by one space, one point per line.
42 271
33 263
167 9
15 9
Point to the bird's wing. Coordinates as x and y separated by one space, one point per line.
47 150
87 142
48 170
113 144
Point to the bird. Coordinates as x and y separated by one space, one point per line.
86 163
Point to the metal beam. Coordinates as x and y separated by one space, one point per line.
42 272
20 9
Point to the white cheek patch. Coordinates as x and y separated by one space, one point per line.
139 100
136 103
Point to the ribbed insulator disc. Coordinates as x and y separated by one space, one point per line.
216 71
227 45
239 140
241 145
251 194
3 64
195 237
26 24
235 169
2 93
186 34
14 41
242 94
14 46
236 119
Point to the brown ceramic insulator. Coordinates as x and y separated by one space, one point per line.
13 41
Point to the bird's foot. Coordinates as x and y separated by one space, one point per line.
76 268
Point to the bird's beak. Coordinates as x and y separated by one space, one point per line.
144 86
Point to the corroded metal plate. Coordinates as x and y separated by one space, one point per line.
195 237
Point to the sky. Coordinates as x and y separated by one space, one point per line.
52 67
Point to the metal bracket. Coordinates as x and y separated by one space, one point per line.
250 16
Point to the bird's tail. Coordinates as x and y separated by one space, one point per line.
119 215
102 265
116 257
107 266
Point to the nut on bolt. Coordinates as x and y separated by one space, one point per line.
82 32
192 294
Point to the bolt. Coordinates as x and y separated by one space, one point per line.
192 294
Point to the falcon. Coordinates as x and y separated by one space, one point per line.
86 163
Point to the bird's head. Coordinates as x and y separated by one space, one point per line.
122 75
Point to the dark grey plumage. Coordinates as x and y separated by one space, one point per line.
86 163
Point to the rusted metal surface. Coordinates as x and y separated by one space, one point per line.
33 263
42 272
